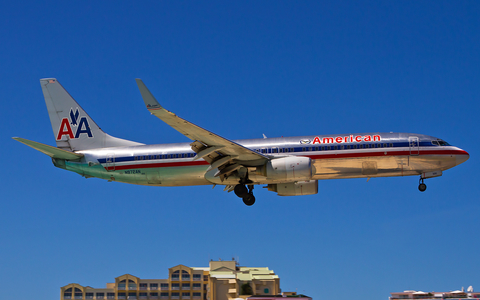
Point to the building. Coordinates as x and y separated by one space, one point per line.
222 280
459 294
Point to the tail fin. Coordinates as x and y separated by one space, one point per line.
72 127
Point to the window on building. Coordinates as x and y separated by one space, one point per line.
143 286
164 286
197 286
186 294
100 295
88 295
185 275
110 295
163 294
142 294
197 294
122 284
185 286
175 286
175 294
175 275
266 291
132 285
205 277
197 276
132 295
154 295
153 286
67 295
78 295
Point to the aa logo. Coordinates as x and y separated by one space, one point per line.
77 123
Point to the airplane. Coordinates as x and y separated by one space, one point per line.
289 166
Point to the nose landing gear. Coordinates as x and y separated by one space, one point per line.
421 186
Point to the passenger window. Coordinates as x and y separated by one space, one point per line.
348 146
335 148
316 148
328 147
303 149
385 145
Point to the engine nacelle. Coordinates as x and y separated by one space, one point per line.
288 169
295 188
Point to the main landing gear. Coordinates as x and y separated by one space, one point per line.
245 193
421 186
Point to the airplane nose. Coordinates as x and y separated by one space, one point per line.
462 158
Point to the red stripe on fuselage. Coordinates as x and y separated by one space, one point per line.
162 165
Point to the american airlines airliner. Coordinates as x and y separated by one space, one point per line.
289 166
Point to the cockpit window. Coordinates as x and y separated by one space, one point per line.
440 143
443 143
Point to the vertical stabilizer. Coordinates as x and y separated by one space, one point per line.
72 126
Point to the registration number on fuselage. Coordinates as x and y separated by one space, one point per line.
133 172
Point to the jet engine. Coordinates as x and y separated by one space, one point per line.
287 169
295 188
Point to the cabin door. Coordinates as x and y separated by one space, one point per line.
414 145
110 162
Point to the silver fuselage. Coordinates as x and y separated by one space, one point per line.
348 156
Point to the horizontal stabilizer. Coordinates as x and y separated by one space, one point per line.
49 150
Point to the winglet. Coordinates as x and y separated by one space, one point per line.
147 96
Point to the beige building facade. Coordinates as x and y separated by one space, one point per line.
221 280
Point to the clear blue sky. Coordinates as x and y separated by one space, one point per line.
241 69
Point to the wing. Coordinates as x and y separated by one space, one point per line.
218 151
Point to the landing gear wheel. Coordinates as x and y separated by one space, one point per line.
241 190
249 199
422 187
